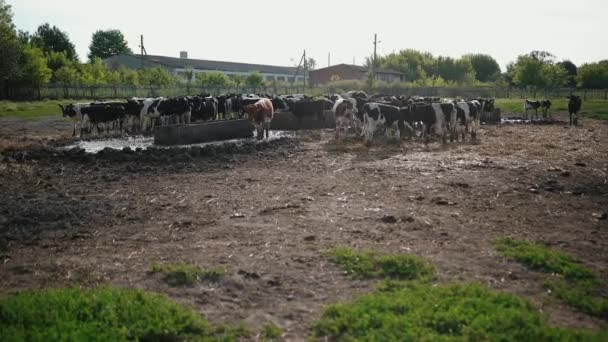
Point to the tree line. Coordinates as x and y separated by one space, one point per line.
48 55
539 69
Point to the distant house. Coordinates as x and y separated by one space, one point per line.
352 72
178 66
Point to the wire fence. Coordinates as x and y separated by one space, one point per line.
70 91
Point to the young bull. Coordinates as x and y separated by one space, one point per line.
260 114
380 115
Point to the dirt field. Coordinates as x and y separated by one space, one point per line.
267 213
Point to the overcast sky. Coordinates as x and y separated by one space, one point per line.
276 32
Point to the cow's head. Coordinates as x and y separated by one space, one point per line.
68 110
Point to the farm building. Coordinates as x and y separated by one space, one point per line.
340 72
178 66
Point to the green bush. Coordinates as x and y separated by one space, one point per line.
423 312
102 314
370 264
583 295
185 274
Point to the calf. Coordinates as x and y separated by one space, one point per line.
380 115
204 107
260 114
73 111
574 106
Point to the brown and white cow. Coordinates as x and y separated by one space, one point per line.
260 114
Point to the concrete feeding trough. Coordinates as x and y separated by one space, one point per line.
235 129
202 132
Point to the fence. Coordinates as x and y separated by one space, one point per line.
63 91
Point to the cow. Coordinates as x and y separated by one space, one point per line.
345 113
73 111
468 114
574 106
310 108
103 114
224 106
260 114
528 105
431 116
203 107
381 115
545 105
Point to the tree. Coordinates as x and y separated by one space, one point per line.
156 77
593 75
128 76
66 74
56 60
107 43
485 66
238 80
94 73
10 47
570 70
527 71
35 72
311 64
52 39
213 80
254 80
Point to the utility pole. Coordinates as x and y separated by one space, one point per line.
305 68
142 50
328 59
375 56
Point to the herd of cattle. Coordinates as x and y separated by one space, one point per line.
354 111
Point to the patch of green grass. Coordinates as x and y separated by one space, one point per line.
578 285
102 314
370 264
271 332
541 258
423 312
34 110
582 294
186 274
597 109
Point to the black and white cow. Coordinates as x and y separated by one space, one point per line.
574 106
468 115
311 108
224 106
529 105
73 111
104 114
345 113
432 117
545 105
376 115
203 107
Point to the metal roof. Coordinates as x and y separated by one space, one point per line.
201 64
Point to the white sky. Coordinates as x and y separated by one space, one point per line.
275 32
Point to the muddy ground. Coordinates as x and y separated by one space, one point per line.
267 213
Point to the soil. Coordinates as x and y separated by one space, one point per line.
268 212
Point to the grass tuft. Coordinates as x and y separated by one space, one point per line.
101 314
271 332
416 311
186 274
578 286
370 264
541 258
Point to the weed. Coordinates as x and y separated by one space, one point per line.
369 264
415 311
271 332
102 314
